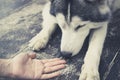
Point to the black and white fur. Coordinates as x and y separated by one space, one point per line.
76 18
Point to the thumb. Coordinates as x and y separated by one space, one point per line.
32 55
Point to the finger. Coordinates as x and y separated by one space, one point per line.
32 55
54 63
50 75
52 69
50 60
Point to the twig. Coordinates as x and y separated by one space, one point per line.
111 65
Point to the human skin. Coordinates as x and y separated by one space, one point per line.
25 66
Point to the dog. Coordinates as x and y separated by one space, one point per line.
76 18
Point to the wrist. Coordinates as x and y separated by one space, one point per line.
6 69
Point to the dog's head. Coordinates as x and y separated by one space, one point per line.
74 34
73 37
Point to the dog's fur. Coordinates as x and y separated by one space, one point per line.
76 18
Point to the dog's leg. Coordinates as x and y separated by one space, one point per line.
90 67
41 39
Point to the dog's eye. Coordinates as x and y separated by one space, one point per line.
79 27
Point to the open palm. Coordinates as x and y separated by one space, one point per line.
25 66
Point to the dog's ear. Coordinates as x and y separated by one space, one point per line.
51 0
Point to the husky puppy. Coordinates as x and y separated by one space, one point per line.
76 18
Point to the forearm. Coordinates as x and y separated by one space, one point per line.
5 68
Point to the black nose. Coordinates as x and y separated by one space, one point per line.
66 54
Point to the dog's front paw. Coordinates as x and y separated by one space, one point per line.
89 73
38 42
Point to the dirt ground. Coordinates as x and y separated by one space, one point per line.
21 20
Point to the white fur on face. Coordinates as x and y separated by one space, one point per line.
72 40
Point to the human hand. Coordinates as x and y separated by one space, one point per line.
25 66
